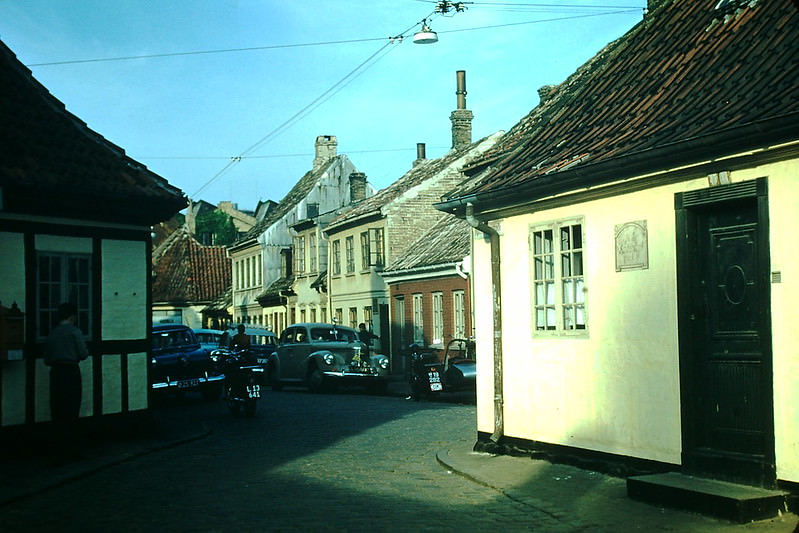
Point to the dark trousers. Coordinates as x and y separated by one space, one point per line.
65 398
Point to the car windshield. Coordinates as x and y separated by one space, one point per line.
166 339
332 334
208 338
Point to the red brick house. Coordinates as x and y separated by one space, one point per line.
429 287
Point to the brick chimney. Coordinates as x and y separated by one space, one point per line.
461 118
421 153
357 186
326 149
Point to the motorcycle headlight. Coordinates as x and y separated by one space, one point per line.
383 362
329 358
153 361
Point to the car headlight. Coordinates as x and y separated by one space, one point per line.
383 362
329 358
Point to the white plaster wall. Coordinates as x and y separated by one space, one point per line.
112 384
124 290
483 320
617 390
137 373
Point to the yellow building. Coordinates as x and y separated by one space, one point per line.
634 276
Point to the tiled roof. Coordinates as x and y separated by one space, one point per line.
446 242
48 153
284 284
423 171
186 271
687 84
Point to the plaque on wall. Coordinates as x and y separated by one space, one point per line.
632 248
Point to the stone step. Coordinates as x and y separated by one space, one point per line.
738 503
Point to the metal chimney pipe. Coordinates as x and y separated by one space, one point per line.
461 92
420 151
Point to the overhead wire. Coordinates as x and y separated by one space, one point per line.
319 100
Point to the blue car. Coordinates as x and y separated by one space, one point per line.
178 363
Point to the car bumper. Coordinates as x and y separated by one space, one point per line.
353 375
187 383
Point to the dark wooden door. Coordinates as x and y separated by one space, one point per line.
726 370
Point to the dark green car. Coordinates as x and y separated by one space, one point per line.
323 356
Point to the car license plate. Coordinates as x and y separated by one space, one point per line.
435 380
188 383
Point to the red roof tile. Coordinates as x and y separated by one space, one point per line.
687 84
184 271
46 152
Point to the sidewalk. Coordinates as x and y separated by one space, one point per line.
26 470
583 500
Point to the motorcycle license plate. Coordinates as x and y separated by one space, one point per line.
435 380
254 391
188 383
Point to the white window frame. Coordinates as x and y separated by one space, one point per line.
335 266
558 278
70 278
418 318
312 253
459 314
349 251
438 317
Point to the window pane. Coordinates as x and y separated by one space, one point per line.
565 265
550 318
579 293
550 292
580 317
548 235
578 263
577 236
549 271
568 292
565 240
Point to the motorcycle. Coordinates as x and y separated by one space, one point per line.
430 375
243 378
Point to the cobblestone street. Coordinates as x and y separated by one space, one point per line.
340 462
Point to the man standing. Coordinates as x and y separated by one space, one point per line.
64 350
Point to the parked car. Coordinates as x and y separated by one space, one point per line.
322 356
210 339
263 342
179 363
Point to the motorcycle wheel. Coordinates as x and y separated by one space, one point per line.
232 404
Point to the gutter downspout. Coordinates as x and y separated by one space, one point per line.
496 286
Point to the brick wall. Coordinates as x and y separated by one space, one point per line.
426 288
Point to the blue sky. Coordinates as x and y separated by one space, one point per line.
187 116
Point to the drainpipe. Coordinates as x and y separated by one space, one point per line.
496 286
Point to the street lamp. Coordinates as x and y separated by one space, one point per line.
425 35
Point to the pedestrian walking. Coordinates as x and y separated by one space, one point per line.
64 350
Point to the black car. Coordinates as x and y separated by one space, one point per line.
179 363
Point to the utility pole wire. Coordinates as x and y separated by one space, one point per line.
302 112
